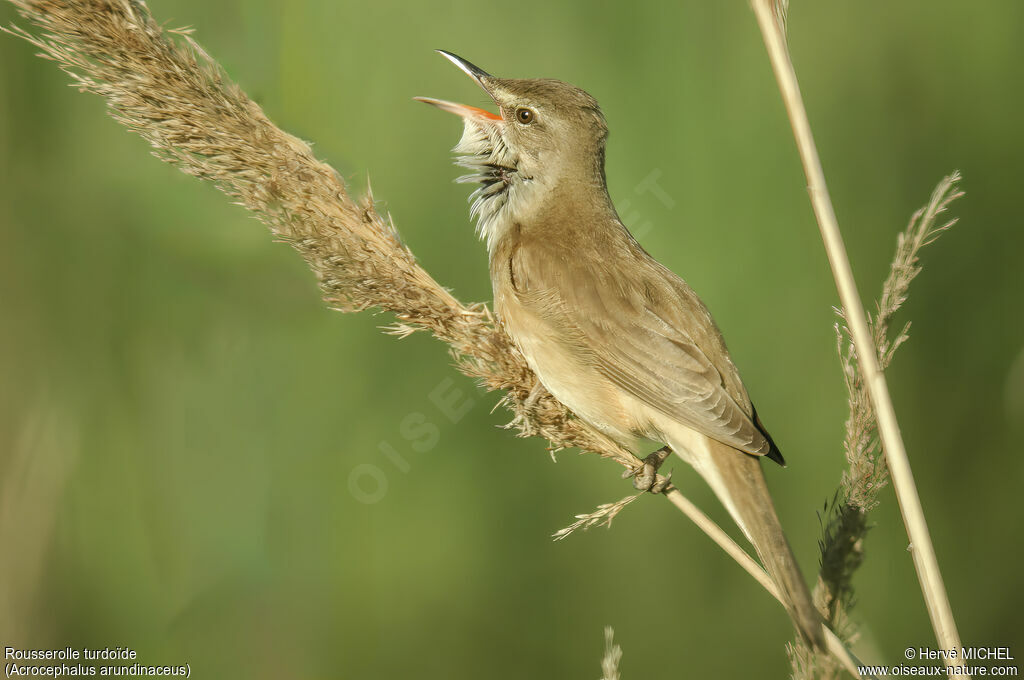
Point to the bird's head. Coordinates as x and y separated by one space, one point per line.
547 136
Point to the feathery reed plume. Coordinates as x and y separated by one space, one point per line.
602 517
926 564
841 547
844 523
612 656
177 98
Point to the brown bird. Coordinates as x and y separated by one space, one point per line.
614 335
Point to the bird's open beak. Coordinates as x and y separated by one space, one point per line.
481 77
459 109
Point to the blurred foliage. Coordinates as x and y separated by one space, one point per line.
180 417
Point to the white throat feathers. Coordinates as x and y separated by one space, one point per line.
483 151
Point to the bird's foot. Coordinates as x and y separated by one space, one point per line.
645 476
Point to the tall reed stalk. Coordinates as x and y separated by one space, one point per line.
771 17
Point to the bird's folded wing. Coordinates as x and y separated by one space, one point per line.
652 339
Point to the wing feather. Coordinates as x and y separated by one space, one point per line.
650 336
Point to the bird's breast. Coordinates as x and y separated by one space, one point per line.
562 361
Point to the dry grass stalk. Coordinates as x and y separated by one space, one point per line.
845 521
845 524
925 562
867 474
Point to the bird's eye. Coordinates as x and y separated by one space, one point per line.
525 116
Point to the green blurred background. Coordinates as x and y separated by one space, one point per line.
181 420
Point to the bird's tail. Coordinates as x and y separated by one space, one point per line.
738 481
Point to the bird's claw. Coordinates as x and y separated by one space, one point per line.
646 477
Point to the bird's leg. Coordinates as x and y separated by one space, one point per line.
646 475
